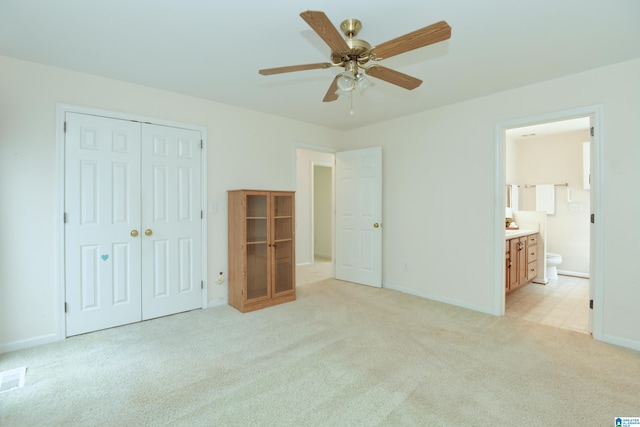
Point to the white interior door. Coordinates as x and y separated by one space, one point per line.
102 211
359 216
171 220
133 230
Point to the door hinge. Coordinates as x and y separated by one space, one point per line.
201 214
591 304
65 127
201 144
64 219
592 131
593 218
201 284
65 307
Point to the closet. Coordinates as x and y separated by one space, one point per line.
132 221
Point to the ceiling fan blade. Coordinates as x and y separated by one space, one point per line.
433 33
331 94
319 23
291 68
394 77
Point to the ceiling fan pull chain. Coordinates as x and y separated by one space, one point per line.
351 100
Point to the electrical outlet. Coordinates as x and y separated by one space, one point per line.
405 266
220 279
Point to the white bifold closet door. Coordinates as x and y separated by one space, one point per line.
133 218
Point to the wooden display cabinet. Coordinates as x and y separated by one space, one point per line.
261 248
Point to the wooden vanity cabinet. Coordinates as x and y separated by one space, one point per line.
521 261
261 248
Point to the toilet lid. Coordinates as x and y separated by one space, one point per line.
552 255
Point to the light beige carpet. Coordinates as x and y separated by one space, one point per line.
341 355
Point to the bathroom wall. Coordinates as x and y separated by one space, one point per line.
552 160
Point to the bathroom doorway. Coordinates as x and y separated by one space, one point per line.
558 150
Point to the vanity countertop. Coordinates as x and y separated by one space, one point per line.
511 234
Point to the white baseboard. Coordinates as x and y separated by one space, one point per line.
28 343
217 302
621 342
573 273
450 301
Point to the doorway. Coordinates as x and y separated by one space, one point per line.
552 153
314 214
594 211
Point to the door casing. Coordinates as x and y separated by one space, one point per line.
597 235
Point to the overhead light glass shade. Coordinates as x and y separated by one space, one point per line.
363 83
346 82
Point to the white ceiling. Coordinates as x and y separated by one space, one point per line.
213 49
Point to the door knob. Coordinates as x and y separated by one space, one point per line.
148 232
376 225
134 233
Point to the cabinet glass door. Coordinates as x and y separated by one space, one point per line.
257 273
283 234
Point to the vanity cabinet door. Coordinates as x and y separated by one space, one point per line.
522 260
512 276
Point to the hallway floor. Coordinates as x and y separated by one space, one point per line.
563 303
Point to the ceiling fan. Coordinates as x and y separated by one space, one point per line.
353 54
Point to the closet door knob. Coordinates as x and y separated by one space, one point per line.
376 225
148 232
134 233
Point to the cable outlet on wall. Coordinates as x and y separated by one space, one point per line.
220 279
405 266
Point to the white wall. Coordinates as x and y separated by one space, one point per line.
439 192
246 149
439 178
550 160
323 211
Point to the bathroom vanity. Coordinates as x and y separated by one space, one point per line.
521 258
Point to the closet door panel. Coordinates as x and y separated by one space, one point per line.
102 209
172 221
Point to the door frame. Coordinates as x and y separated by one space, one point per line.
596 231
59 249
294 178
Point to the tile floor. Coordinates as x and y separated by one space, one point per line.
563 303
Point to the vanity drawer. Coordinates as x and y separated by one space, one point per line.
532 240
532 253
532 270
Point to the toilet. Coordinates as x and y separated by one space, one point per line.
553 261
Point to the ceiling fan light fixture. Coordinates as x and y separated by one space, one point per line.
363 83
346 82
